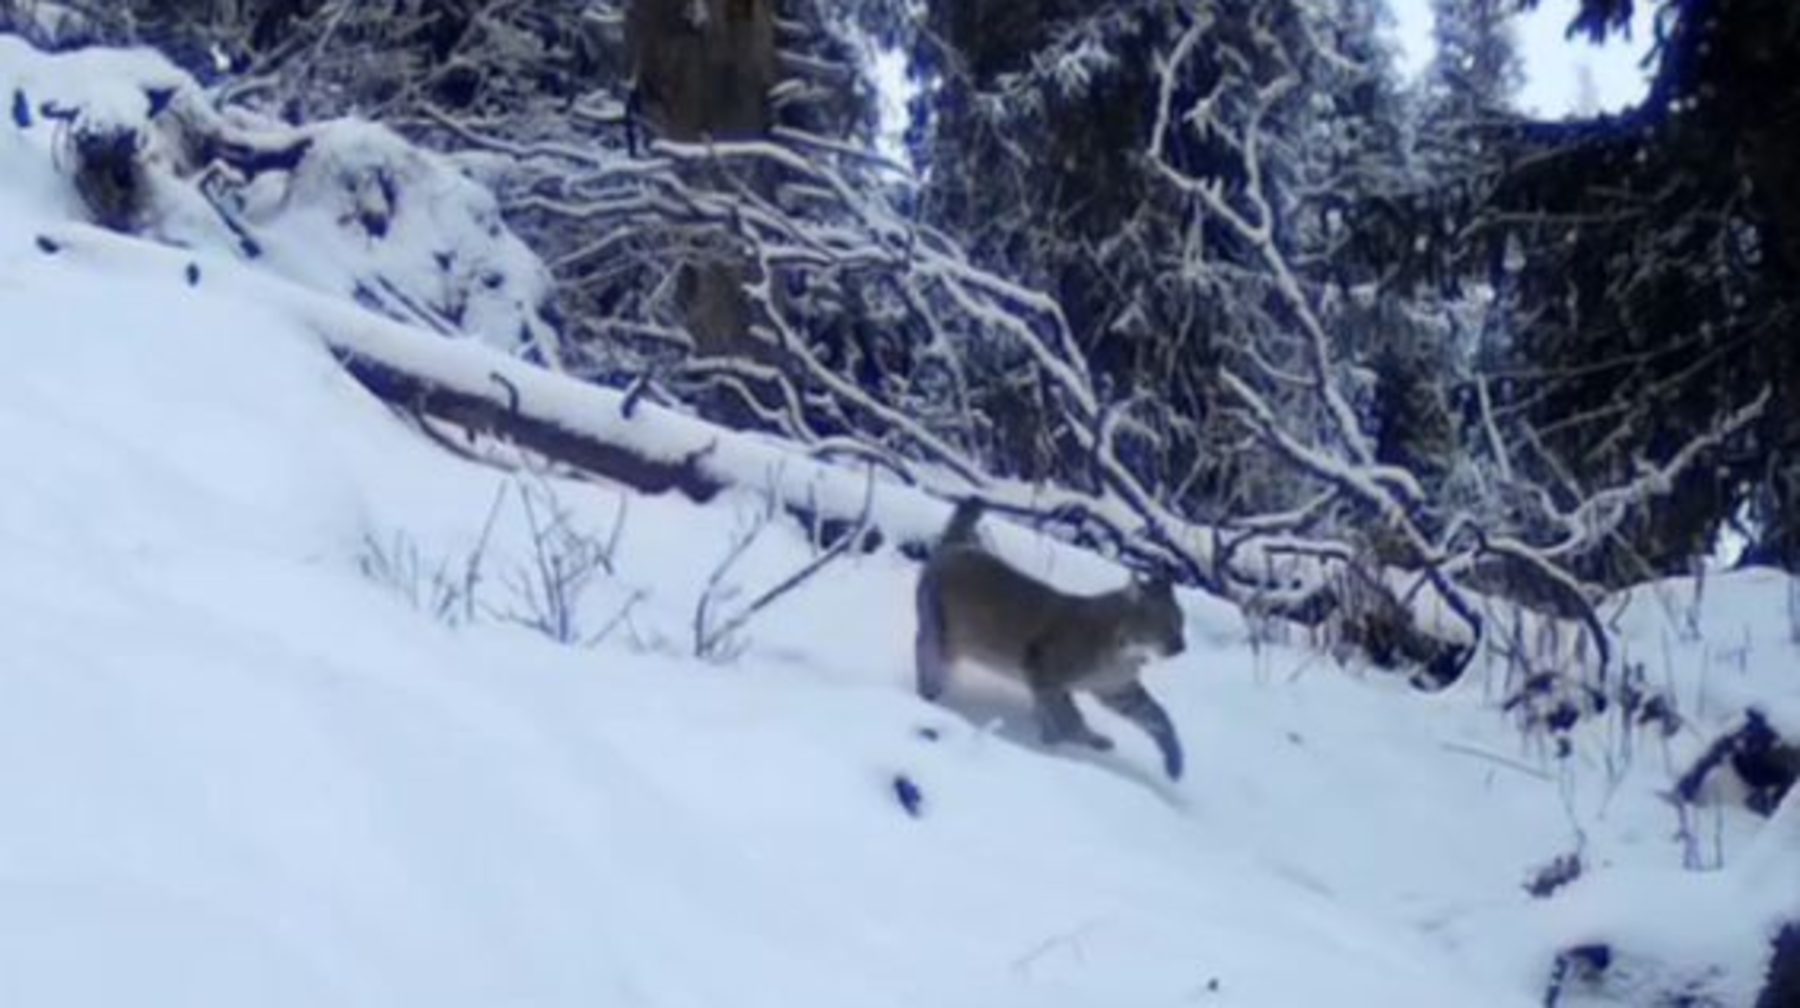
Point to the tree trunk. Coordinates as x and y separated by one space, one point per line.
703 71
703 67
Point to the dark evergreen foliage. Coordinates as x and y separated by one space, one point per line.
1036 140
1649 266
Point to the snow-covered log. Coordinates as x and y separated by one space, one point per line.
500 413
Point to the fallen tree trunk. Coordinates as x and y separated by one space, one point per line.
607 432
500 414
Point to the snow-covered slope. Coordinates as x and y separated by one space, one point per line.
237 770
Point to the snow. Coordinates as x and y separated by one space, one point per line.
363 214
236 770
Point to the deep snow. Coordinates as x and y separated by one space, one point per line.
234 770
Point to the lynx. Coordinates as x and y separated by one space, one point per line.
974 606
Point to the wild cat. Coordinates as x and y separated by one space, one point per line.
974 606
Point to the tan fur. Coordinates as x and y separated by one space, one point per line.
1015 624
974 606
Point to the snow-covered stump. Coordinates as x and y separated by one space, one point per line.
1764 763
345 207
